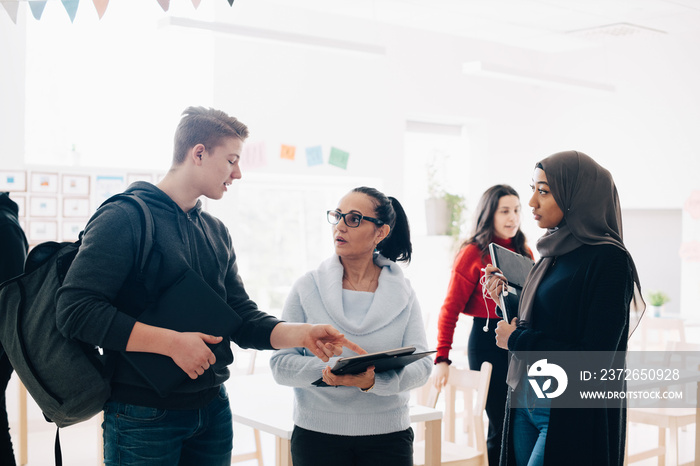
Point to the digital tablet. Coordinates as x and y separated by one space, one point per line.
515 267
188 305
382 361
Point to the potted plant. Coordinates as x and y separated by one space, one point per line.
657 300
444 211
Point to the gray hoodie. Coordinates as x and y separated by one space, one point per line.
86 308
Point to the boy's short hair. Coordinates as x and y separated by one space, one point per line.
207 126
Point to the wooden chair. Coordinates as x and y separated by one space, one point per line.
672 419
656 332
472 453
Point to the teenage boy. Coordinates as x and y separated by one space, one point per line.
191 426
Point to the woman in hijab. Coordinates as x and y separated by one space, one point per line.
576 298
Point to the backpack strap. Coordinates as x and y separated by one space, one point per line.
147 228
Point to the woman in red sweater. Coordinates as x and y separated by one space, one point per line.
498 221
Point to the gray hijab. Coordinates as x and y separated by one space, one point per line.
587 195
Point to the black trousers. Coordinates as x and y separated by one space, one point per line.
482 347
7 456
311 448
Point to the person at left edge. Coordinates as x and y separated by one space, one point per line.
13 252
192 425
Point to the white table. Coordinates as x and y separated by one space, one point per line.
259 402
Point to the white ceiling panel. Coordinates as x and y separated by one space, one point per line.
543 25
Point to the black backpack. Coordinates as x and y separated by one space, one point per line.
68 379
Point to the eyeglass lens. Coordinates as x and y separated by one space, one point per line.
351 219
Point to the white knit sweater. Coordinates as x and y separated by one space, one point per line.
393 320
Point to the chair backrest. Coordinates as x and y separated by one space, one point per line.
657 331
475 384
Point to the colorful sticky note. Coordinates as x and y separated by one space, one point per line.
339 158
287 152
254 155
692 205
314 156
690 251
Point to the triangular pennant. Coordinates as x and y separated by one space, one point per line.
164 4
230 2
11 6
71 7
101 7
196 3
37 8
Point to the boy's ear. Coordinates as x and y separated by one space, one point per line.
196 153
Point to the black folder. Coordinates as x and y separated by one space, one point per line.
515 267
382 361
188 305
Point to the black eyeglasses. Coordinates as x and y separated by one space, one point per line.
351 219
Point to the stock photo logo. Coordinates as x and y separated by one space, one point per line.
544 370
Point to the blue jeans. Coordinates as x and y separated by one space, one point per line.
529 426
137 435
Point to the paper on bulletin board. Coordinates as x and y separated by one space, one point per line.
108 185
339 158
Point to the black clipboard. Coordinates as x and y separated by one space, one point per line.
381 360
188 305
515 267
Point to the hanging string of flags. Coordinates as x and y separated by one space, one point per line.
71 6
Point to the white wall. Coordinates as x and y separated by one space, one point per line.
12 88
645 132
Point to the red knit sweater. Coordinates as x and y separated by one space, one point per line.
464 294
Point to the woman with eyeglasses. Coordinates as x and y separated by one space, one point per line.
361 289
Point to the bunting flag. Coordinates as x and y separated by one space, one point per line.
71 7
11 6
101 7
37 8
164 4
339 158
314 156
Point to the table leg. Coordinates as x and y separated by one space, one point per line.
433 442
283 452
23 430
697 424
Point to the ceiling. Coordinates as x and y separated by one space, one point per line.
544 25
